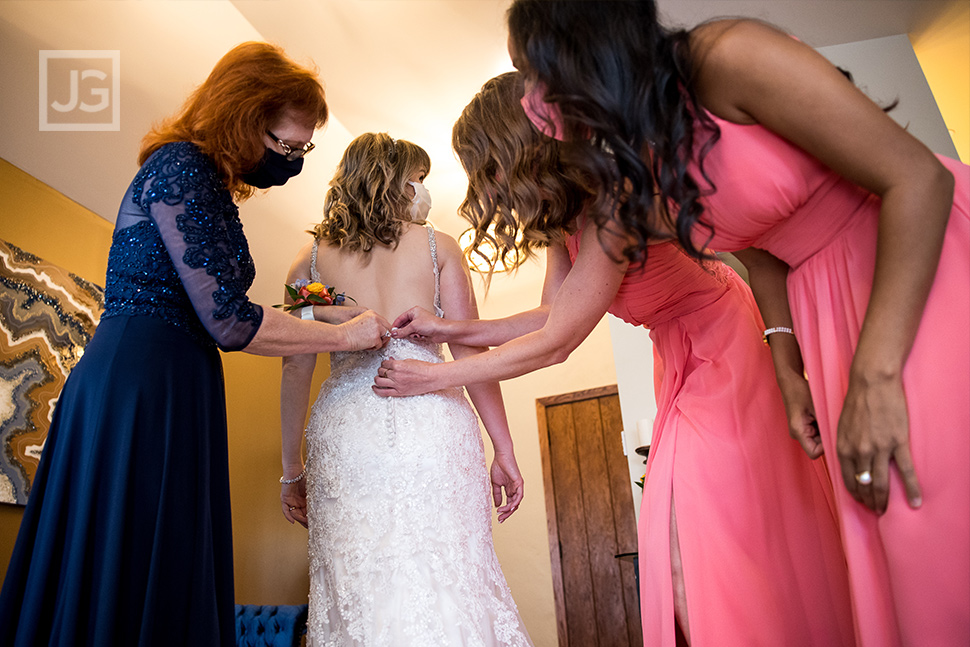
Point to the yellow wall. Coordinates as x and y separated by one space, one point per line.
269 555
43 222
943 50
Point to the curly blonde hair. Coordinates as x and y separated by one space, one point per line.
366 204
521 197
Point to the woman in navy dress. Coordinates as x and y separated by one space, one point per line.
126 538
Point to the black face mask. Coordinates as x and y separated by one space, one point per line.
273 170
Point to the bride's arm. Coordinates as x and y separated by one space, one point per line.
294 401
458 300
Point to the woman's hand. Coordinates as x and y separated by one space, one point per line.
337 315
873 431
419 324
802 424
505 475
366 331
397 378
293 500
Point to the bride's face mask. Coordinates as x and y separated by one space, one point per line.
421 202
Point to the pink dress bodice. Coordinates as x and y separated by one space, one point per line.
776 196
668 286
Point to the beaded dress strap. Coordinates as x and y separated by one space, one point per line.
314 274
437 276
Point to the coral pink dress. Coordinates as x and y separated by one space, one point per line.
758 536
909 569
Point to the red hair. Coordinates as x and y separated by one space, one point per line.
248 90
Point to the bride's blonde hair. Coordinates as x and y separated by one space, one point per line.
367 203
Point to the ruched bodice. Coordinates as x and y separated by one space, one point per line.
669 285
776 196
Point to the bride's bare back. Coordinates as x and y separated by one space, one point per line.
385 279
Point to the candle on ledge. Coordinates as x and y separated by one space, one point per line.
644 432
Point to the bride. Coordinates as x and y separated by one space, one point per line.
394 491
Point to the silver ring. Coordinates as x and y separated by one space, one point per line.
864 478
292 507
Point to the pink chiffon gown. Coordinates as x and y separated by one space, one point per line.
757 529
909 570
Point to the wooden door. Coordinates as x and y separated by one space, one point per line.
591 519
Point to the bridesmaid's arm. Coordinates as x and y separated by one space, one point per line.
579 304
752 73
768 277
418 323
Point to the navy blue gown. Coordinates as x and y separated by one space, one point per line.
126 539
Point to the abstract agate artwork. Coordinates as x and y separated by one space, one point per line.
47 316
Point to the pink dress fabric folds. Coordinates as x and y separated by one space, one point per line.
757 529
909 569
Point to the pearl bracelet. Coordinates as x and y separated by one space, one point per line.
296 479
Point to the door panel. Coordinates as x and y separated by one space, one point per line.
591 519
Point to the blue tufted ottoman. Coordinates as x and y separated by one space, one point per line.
270 626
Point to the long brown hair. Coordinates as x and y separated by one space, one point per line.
248 90
366 204
520 196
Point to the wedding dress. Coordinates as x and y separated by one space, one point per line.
400 540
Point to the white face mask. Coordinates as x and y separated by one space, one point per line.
421 202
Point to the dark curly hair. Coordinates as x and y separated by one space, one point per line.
624 85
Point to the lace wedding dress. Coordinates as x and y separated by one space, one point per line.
400 540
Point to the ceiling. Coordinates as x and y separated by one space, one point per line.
407 67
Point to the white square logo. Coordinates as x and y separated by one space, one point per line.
80 89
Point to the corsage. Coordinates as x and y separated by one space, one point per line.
307 293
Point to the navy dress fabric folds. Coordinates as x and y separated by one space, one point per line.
126 539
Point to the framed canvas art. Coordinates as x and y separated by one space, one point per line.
47 316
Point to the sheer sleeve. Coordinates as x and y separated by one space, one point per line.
181 192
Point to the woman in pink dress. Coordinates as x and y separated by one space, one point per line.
736 136
737 536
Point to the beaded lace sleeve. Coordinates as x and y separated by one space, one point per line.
180 190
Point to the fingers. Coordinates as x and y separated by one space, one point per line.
513 497
506 511
850 468
876 494
384 392
403 320
383 385
904 463
808 437
294 512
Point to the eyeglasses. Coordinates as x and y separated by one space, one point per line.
290 152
